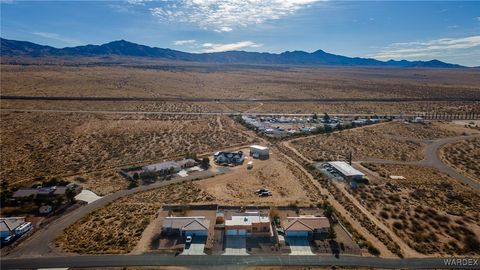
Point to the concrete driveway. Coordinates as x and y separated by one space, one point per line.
299 246
196 247
235 245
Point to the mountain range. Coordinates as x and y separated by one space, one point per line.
15 48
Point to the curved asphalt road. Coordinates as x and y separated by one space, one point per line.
434 160
38 244
233 261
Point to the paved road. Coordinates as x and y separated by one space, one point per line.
230 261
434 160
38 243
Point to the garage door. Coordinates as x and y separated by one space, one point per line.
296 234
196 233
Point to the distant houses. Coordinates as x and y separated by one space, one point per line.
46 192
229 158
169 167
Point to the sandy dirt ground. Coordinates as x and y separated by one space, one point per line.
464 157
432 212
118 227
93 147
238 186
234 82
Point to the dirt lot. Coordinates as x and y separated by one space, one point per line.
43 145
464 156
217 81
392 141
238 186
118 227
431 212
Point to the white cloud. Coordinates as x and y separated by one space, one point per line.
226 15
184 42
219 47
57 37
432 48
138 2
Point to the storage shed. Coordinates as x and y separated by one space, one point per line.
260 152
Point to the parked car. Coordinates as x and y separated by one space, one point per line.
261 190
265 194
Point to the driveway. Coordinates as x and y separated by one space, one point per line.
235 245
299 246
196 247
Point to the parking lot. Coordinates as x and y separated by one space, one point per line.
299 246
328 171
196 247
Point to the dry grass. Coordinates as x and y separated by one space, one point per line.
118 227
464 156
392 141
432 212
236 82
42 145
379 108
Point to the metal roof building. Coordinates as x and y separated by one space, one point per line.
346 170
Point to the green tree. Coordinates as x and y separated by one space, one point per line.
331 233
70 193
205 163
133 184
326 117
327 210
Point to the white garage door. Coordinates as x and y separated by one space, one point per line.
296 234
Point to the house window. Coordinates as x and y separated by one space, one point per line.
254 228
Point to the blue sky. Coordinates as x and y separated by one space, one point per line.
449 31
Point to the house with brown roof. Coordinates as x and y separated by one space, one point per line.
186 226
304 226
